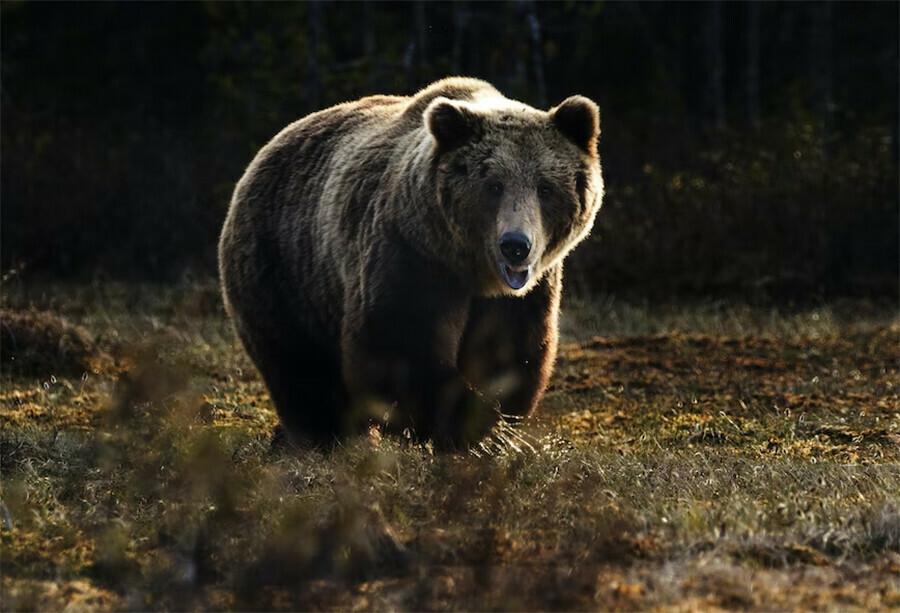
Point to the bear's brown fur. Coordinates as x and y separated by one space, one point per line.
361 258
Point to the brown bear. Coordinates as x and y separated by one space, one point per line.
399 259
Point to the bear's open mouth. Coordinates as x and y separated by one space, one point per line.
515 276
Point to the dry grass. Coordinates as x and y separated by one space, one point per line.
708 457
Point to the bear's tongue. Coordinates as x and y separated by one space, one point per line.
516 278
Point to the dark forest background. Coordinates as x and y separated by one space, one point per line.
749 149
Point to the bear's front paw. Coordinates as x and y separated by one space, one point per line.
470 419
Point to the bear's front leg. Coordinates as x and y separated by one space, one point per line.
509 347
399 347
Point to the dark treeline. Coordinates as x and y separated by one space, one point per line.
749 148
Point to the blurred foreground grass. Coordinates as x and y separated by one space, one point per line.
694 457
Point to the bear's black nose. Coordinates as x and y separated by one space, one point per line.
515 247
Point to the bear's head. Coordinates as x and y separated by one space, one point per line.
518 188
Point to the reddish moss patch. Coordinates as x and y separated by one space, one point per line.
43 343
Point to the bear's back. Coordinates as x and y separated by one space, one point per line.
454 88
309 141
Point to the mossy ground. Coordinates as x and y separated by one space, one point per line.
687 457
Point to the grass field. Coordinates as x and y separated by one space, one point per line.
712 456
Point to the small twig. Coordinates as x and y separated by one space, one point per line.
7 518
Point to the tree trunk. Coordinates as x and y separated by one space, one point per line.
419 8
314 33
752 76
460 16
821 66
715 55
370 49
415 51
518 53
537 51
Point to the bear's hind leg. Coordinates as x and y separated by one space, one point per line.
306 387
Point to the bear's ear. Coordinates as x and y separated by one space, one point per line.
578 118
451 123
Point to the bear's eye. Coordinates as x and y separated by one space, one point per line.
544 190
495 188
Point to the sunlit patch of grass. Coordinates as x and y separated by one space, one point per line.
668 467
586 316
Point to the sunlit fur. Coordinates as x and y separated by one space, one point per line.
360 258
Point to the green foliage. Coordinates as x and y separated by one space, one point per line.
779 213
